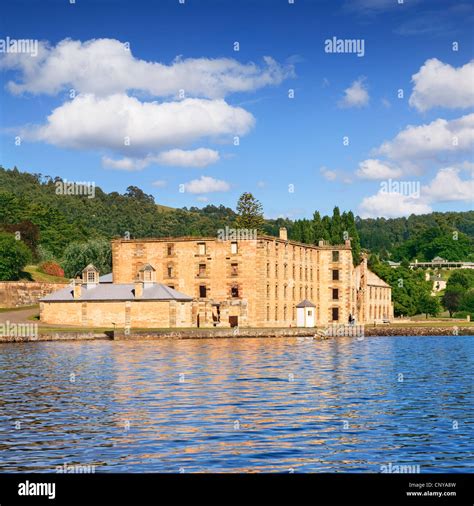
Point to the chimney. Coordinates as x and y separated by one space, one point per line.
283 234
138 289
77 288
320 243
347 242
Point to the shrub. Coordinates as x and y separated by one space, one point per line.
51 268
14 255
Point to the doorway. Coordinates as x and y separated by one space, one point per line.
234 321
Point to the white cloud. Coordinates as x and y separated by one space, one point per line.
206 184
160 183
391 205
356 95
447 186
438 84
430 140
134 128
105 67
375 169
200 157
128 164
328 174
407 198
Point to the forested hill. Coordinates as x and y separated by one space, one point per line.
54 221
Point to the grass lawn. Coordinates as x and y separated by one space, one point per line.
33 274
21 308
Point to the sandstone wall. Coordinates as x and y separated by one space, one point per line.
25 293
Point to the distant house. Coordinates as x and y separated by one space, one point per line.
436 263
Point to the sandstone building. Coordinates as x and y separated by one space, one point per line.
190 282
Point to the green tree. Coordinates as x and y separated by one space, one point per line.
336 227
319 231
452 299
14 255
458 278
249 213
429 305
79 254
467 302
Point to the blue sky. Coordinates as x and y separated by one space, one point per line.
126 63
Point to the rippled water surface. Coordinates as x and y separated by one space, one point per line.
247 405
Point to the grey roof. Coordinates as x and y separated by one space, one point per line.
90 267
305 303
147 267
106 278
111 291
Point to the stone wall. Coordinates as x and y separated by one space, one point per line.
25 293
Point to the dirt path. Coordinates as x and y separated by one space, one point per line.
19 316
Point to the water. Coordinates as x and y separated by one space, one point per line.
238 405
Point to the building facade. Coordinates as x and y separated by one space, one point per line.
258 282
91 301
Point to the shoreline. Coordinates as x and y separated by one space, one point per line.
229 333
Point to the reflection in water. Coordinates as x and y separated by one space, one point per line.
230 405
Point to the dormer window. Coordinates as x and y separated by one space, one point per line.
90 275
147 274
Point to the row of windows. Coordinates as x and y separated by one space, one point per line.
202 270
203 291
381 293
303 252
378 312
308 292
334 272
201 248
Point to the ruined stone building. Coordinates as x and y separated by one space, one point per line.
205 282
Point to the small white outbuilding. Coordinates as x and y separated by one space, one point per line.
305 314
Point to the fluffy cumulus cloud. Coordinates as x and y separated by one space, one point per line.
328 174
402 198
356 95
103 112
206 184
438 84
430 140
392 205
447 186
129 126
107 66
201 157
375 169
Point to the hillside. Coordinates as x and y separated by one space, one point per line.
29 203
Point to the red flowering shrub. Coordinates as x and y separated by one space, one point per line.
51 268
